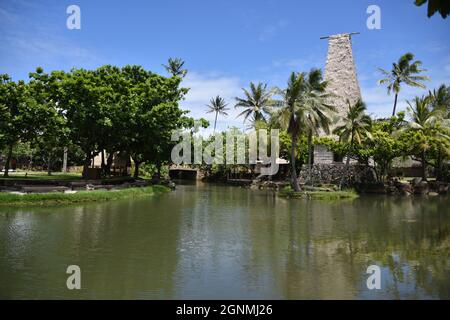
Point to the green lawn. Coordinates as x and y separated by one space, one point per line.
52 198
41 175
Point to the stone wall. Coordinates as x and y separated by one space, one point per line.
333 173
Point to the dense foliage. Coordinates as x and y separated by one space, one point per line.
109 110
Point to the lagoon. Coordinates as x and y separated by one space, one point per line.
205 241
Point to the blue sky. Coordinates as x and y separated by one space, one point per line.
225 43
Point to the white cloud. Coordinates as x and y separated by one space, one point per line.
203 87
380 104
45 45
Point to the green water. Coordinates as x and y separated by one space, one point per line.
211 242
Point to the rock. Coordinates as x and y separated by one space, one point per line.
433 194
332 174
404 188
168 183
442 188
392 189
421 188
376 188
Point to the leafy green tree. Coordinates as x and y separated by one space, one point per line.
114 114
175 67
383 148
404 71
45 89
427 127
22 117
353 129
218 106
153 114
83 99
257 102
441 6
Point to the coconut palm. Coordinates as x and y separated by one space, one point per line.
425 119
440 99
319 114
353 129
257 102
175 67
218 106
303 110
404 71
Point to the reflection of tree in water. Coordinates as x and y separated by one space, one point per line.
128 249
125 250
216 242
410 237
320 249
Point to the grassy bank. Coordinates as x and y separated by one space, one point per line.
79 197
318 194
40 175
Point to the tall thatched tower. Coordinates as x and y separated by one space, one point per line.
340 72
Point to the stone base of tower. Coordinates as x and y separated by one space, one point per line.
323 156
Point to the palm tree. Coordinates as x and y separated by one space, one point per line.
218 106
425 119
440 99
404 71
319 113
303 110
257 102
175 67
354 128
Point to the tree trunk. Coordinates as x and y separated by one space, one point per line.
347 163
49 165
395 104
103 161
310 158
87 163
136 169
109 162
295 184
64 168
439 166
8 160
215 122
424 167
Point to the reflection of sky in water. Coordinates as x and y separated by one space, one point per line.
391 286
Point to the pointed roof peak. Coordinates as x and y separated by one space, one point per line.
340 35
